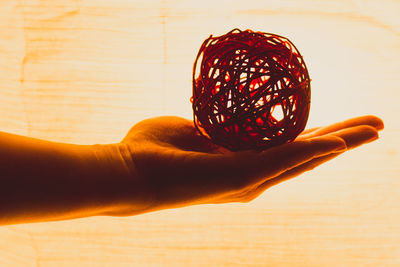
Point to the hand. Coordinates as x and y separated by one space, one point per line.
178 167
162 163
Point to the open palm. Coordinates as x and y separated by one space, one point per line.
180 167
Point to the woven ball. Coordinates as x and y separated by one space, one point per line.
251 90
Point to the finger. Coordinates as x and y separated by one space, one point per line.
249 168
354 137
308 166
293 154
257 190
246 169
369 120
233 172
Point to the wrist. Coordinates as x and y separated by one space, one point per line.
118 186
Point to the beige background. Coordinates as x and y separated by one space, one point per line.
85 71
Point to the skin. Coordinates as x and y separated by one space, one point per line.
161 163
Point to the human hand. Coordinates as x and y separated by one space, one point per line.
176 166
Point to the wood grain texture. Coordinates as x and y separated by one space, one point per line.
85 71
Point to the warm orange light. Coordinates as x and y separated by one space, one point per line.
86 71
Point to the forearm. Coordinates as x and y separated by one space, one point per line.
42 181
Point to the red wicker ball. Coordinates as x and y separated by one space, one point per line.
251 90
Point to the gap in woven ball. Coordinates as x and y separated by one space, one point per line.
251 90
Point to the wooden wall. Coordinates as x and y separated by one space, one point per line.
85 71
